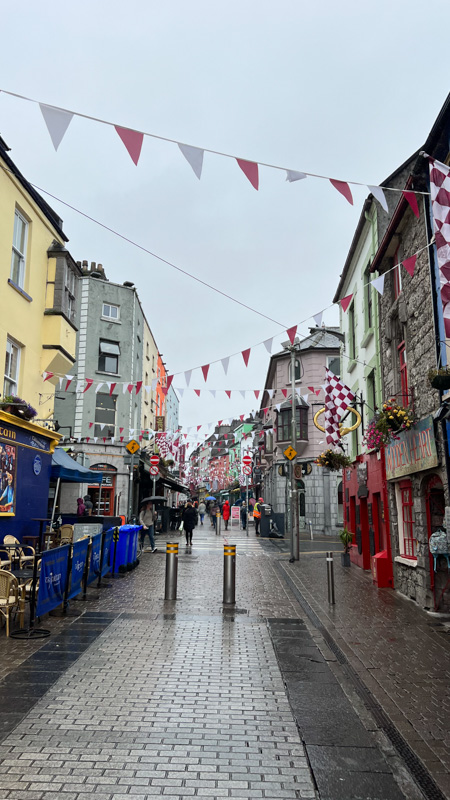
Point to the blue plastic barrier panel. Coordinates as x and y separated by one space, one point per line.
52 580
79 554
107 543
94 566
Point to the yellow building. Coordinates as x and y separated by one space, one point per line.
149 364
38 278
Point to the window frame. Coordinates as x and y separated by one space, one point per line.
107 425
284 424
403 371
14 344
18 215
105 355
368 299
297 371
405 509
352 331
108 316
398 284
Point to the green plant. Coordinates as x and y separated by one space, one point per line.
439 377
333 460
18 407
346 538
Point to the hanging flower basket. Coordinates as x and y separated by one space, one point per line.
387 424
333 460
20 408
440 378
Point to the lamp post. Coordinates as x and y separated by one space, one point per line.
295 544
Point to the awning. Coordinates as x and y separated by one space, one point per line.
174 485
67 469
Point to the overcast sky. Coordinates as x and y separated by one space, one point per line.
345 89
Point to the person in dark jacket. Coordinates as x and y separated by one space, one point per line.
190 520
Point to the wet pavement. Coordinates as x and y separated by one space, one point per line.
139 697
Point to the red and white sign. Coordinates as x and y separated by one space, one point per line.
154 470
154 461
247 460
246 469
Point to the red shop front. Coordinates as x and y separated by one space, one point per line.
366 514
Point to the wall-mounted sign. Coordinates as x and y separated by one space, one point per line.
160 423
8 464
37 465
413 451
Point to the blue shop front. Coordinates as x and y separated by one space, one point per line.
25 466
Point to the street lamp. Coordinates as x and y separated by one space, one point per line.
295 537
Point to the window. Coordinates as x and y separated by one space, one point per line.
153 363
105 414
110 312
334 364
407 541
371 396
298 371
108 359
20 236
352 331
284 424
12 364
397 273
369 298
69 292
402 364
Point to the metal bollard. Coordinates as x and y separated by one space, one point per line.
330 578
171 571
229 574
311 531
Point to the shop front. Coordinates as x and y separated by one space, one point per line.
25 466
103 496
366 514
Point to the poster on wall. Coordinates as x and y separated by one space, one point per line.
8 463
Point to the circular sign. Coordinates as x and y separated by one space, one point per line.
154 470
37 465
246 470
247 459
154 460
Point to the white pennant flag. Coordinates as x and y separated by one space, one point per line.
194 157
57 122
102 425
99 386
318 319
379 195
268 344
113 439
379 284
131 431
270 393
277 406
292 175
181 391
305 398
79 439
225 362
124 388
60 382
95 439
79 386
213 392
154 383
187 376
242 391
147 389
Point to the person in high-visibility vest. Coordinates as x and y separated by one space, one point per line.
257 514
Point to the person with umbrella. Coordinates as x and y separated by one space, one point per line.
147 519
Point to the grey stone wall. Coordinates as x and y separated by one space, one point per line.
321 497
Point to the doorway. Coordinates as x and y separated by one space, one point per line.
301 505
435 506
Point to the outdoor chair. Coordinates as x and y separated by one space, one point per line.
26 552
66 534
5 559
9 595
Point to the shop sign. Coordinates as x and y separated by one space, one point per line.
413 450
19 436
52 579
160 423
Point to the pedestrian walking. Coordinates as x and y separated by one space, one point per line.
244 516
147 518
257 514
201 511
88 506
80 507
215 509
226 513
190 520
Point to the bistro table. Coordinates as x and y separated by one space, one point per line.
31 632
23 576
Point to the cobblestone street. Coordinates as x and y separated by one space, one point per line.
138 697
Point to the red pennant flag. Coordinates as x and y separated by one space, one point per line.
120 430
311 389
246 356
138 386
344 189
197 392
91 424
412 200
198 427
87 438
291 333
48 375
164 390
242 417
205 371
284 391
69 381
140 438
220 422
121 438
169 381
130 387
89 383
345 302
317 392
228 392
410 264
104 439
113 386
257 391
250 170
132 141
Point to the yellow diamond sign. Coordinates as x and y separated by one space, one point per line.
132 446
290 453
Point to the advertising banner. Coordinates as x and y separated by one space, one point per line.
8 464
79 554
235 516
412 451
107 543
94 566
52 579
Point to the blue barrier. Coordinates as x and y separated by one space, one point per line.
79 554
107 543
94 565
52 579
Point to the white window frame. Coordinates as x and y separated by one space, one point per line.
10 344
15 250
107 315
297 380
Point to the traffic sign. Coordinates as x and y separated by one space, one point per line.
246 469
290 453
132 446
154 460
247 459
154 470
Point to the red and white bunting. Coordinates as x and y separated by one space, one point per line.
228 393
205 370
440 206
378 283
197 392
194 157
57 121
291 332
47 375
410 265
343 188
89 383
138 386
412 200
345 302
132 141
250 170
246 355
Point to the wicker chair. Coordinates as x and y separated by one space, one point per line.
66 534
26 552
5 559
9 595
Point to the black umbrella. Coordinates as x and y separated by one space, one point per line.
153 499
